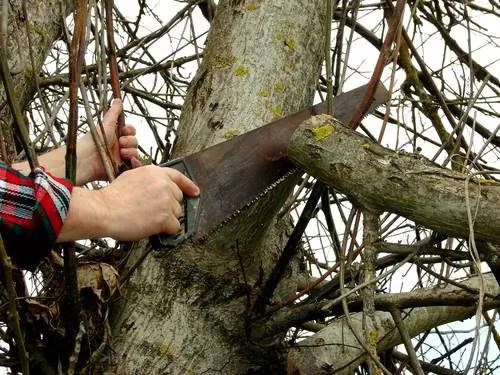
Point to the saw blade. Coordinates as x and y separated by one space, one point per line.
201 237
233 174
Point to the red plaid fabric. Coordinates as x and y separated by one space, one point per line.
32 211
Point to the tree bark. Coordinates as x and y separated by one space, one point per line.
187 310
335 349
406 184
44 24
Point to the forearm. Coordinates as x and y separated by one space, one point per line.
86 218
52 161
55 163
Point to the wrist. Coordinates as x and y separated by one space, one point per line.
87 216
85 165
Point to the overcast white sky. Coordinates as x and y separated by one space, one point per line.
365 58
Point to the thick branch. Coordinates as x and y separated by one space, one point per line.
464 294
45 27
398 182
335 350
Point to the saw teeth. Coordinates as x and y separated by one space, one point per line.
239 212
378 101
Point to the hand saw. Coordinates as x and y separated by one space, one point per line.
233 173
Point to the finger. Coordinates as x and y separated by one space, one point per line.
135 162
128 141
129 153
177 209
176 192
111 116
184 183
172 226
128 130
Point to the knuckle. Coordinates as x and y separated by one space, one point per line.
174 173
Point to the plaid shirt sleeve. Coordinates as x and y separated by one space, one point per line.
32 211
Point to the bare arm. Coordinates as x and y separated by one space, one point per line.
139 203
89 165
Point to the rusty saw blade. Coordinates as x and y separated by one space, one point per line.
233 173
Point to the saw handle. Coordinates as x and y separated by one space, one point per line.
189 220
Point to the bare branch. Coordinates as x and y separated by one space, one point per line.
401 183
333 349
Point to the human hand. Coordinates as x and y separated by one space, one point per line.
139 203
146 201
90 166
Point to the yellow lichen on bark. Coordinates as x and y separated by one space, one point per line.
322 132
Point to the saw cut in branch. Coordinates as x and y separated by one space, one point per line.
398 182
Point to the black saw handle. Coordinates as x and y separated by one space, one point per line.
189 221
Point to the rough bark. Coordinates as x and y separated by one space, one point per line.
335 349
44 24
187 310
398 182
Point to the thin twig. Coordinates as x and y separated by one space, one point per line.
426 366
36 78
349 42
13 314
330 223
113 70
405 336
377 73
494 332
71 295
98 138
289 250
455 349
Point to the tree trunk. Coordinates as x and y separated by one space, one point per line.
187 310
44 23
